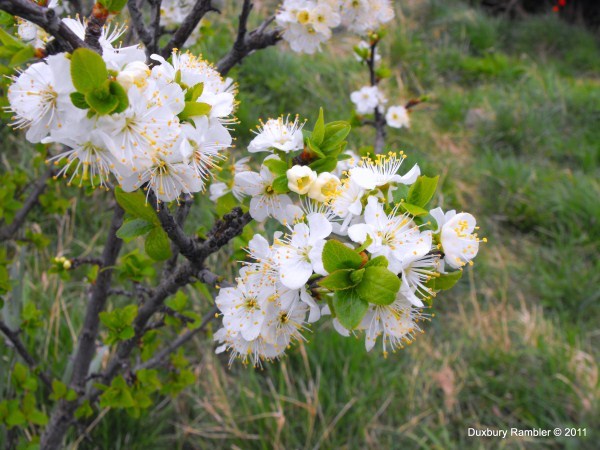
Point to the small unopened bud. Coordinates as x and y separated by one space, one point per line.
67 264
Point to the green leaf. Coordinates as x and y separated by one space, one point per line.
338 280
378 286
37 417
78 99
337 256
194 109
422 191
88 70
280 184
335 133
59 390
134 228
378 261
357 275
318 133
117 91
84 411
445 281
134 203
23 55
276 166
14 416
413 210
158 246
195 92
323 165
114 6
118 395
178 302
349 308
101 101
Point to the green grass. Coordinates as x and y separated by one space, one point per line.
511 125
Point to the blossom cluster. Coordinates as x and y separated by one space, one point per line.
164 127
368 99
349 249
307 24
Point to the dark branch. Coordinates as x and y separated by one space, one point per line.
86 348
77 262
160 356
154 24
7 231
45 18
188 26
379 122
246 43
138 24
13 337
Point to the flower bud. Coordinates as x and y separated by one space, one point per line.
324 187
27 31
135 72
300 179
66 264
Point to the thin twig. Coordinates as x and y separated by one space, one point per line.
160 356
379 122
138 24
7 231
46 18
246 43
62 415
15 340
189 24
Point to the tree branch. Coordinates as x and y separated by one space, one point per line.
138 24
189 24
13 337
86 348
246 43
160 356
379 122
154 24
45 18
7 231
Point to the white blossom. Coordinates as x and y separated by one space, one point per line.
397 117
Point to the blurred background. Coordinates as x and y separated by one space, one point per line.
512 124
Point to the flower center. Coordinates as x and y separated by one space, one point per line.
303 182
303 17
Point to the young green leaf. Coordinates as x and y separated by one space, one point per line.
413 210
378 286
134 228
349 308
280 184
101 101
276 166
194 109
323 165
445 281
117 91
357 275
134 203
422 191
378 261
318 133
158 246
337 256
88 70
335 133
338 280
78 99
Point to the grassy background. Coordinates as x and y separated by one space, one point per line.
512 126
